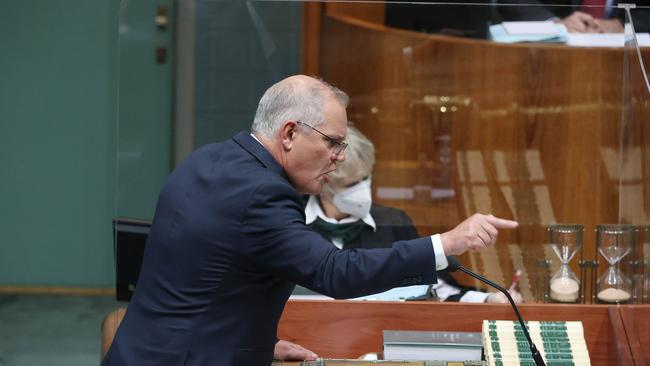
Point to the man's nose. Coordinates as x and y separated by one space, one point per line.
338 157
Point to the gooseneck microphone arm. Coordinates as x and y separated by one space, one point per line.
454 265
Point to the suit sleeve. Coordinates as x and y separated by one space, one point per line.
279 241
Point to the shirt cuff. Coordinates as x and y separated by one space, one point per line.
441 258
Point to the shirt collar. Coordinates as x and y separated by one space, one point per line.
313 211
256 139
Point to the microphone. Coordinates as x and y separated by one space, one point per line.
454 265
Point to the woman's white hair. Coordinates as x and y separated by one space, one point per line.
359 157
292 101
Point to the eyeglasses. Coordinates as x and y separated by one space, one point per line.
337 146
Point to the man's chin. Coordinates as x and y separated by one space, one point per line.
314 189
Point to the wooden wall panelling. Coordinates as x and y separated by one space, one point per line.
311 20
373 13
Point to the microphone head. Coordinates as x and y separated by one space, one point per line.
452 264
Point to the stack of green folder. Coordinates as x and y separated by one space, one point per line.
560 343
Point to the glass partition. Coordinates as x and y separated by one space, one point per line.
635 145
469 109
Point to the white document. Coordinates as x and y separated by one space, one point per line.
529 28
528 32
605 39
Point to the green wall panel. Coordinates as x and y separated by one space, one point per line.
145 107
58 96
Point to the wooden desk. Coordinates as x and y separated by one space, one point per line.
348 329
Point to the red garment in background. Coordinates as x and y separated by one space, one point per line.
594 7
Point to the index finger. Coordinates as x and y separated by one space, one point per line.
502 223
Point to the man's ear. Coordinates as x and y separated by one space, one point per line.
288 134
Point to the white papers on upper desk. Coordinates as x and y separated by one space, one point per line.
547 31
528 28
605 39
514 32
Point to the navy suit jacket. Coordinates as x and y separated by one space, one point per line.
227 245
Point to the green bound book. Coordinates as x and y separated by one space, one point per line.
559 343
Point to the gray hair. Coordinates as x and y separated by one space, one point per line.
359 156
297 101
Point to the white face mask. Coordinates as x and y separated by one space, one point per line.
355 200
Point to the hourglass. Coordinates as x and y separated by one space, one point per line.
614 243
566 241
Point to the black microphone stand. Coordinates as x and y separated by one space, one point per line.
537 357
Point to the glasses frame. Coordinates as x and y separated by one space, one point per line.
337 146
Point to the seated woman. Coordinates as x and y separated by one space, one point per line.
344 214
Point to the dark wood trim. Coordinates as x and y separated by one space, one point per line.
57 290
311 35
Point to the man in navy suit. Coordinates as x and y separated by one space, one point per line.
229 241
